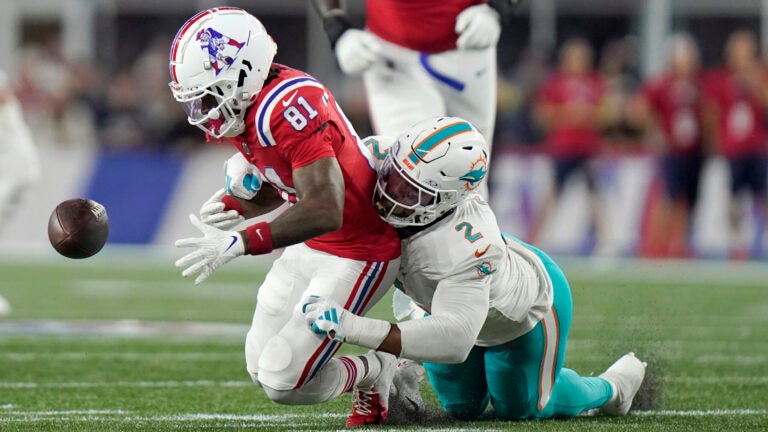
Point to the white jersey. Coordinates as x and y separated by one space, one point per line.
474 281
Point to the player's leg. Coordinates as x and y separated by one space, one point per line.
461 388
467 80
739 240
296 366
525 376
759 185
399 92
287 277
564 167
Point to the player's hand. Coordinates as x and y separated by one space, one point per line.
478 27
356 50
213 250
329 318
213 213
326 317
243 178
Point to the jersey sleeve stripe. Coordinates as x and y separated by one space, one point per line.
271 100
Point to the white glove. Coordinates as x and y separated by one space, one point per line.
212 213
478 27
213 250
328 318
356 51
243 178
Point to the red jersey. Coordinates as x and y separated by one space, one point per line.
582 94
421 25
294 122
741 127
677 101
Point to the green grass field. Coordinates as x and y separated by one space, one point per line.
124 343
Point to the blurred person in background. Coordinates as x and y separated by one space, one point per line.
19 160
669 105
734 113
46 85
567 108
617 68
422 59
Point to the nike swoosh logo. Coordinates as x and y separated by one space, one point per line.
258 233
234 240
288 101
479 253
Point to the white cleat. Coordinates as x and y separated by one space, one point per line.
370 402
405 385
5 307
625 376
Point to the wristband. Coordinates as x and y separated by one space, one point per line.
258 239
335 24
369 332
231 203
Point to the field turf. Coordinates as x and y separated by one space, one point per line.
123 343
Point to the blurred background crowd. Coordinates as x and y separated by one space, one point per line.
578 81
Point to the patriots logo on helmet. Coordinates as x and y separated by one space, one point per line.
222 50
476 174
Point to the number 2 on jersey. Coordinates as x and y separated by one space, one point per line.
295 117
468 234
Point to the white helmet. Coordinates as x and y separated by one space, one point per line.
429 170
219 61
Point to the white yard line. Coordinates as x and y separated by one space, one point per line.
130 356
756 380
140 384
702 413
122 328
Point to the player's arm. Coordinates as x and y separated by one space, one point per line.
320 189
355 49
267 199
447 335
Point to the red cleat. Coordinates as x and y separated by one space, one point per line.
370 404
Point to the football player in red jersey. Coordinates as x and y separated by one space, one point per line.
671 103
735 103
567 107
422 58
299 148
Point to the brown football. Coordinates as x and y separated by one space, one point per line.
78 228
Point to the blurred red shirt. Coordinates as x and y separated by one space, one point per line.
421 25
741 121
677 102
576 98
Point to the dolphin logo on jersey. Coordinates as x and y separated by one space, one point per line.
222 50
476 174
485 269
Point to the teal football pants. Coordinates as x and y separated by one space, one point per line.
524 378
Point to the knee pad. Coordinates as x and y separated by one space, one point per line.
274 369
287 397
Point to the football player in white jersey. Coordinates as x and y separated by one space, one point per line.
421 58
498 310
19 161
